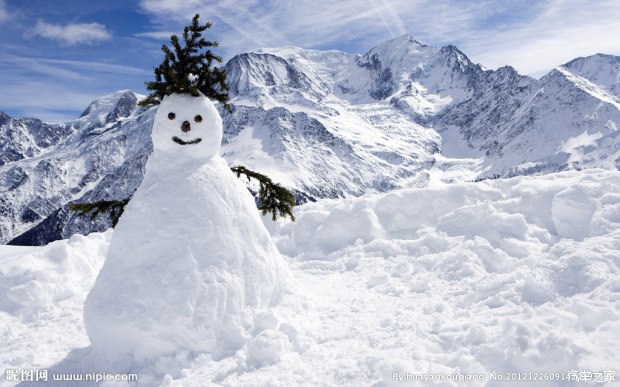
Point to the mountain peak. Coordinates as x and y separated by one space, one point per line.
404 42
397 50
460 58
112 106
4 118
596 58
600 69
405 39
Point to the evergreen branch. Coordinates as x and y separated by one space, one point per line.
114 207
272 198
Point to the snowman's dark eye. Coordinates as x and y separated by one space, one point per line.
171 115
198 118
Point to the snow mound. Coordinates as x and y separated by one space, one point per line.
42 290
565 205
501 275
516 275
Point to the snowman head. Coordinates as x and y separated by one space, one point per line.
187 126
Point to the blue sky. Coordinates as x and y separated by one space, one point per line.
58 55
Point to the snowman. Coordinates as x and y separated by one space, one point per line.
190 264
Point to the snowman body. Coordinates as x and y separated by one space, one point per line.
190 261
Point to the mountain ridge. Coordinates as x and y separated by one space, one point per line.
327 124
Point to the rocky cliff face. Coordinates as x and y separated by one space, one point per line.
327 124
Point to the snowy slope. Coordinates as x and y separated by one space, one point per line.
328 124
600 69
507 275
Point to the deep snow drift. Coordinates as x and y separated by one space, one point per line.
501 275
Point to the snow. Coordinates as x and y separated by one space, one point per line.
517 274
42 291
249 148
99 109
583 140
591 88
454 146
602 70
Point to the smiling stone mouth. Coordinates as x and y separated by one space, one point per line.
181 142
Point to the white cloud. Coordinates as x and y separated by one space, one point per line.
158 35
4 14
67 69
252 24
350 25
94 67
533 37
35 85
561 31
71 34
47 105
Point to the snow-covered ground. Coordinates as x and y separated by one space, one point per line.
516 275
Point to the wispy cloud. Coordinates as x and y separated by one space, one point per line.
67 69
158 35
72 34
249 24
4 13
95 67
47 106
561 30
35 85
531 36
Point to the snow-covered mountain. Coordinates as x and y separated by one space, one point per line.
327 124
47 166
568 119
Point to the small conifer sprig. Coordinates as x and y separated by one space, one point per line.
188 68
